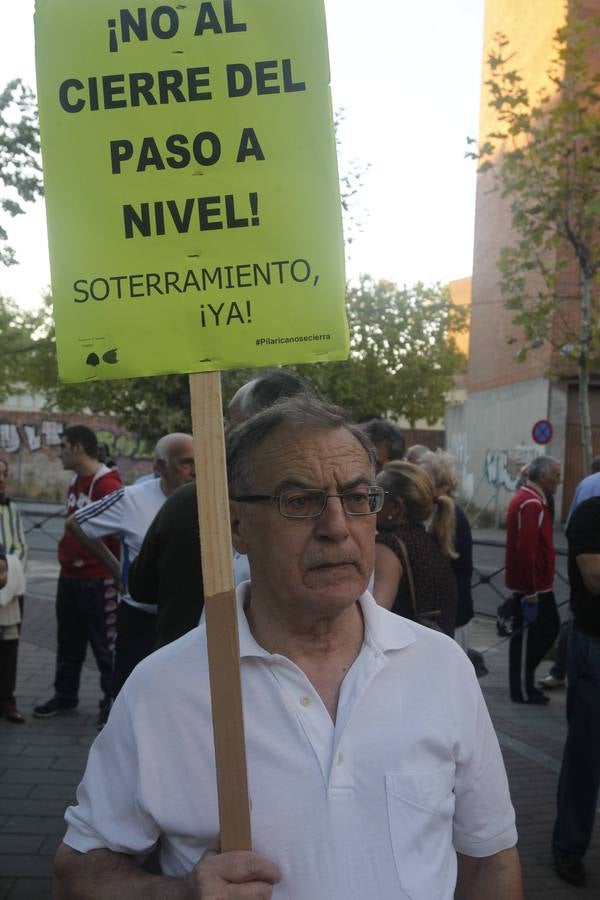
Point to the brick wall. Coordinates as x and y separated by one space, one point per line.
529 27
29 442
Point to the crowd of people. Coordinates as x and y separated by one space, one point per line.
358 786
353 565
530 573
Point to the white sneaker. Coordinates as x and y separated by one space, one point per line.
549 683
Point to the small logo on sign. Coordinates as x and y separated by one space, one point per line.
110 357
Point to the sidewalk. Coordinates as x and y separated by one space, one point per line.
532 738
41 762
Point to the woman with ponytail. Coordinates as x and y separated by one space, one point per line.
413 572
441 468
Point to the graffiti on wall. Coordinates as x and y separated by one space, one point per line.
125 444
47 433
457 445
503 467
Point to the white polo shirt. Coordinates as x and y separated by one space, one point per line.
371 806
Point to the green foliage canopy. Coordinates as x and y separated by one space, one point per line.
403 357
20 170
403 352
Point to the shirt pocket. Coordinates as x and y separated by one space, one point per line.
420 814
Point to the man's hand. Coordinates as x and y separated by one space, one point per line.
104 875
236 875
98 549
530 608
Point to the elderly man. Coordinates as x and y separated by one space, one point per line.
128 513
374 771
530 559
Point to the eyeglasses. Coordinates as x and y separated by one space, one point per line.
311 502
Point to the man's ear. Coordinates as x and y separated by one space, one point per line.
236 528
159 466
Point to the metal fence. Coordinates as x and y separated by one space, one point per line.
494 581
43 525
486 579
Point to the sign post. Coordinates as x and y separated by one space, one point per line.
194 225
220 611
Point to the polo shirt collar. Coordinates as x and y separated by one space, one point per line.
383 630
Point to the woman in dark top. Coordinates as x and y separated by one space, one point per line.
441 468
403 541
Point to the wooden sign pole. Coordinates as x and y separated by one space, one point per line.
220 606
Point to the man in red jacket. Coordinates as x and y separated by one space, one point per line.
530 559
86 597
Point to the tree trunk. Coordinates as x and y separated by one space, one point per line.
584 373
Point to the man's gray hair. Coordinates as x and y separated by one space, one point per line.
163 445
296 414
541 465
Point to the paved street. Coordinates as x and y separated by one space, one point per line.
41 762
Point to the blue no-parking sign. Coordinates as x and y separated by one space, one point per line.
542 431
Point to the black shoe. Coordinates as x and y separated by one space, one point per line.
569 868
12 714
537 698
54 707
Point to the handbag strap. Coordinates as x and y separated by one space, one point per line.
409 574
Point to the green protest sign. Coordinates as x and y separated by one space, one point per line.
191 185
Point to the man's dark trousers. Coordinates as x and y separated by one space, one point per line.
529 644
136 639
82 615
579 782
